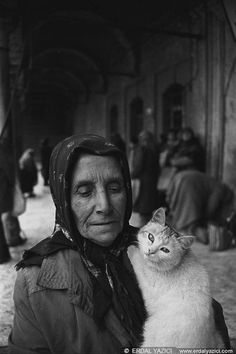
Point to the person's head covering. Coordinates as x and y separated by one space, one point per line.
105 264
62 162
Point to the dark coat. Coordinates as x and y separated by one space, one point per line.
145 168
54 311
27 172
194 197
7 180
189 154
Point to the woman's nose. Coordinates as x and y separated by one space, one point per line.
103 204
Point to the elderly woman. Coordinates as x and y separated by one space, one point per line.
76 291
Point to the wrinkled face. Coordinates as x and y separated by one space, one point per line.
98 198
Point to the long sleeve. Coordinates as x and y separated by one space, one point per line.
220 323
26 337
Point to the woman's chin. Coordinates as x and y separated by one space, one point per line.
105 239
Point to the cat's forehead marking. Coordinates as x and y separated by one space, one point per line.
164 232
173 232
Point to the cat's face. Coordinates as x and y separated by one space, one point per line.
161 246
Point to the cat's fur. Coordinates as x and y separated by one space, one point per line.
175 289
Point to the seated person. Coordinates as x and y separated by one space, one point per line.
194 198
189 153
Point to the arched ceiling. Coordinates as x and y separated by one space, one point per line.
73 47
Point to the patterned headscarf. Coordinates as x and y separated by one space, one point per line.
63 159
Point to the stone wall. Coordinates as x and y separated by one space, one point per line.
205 67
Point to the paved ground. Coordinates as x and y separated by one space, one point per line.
37 222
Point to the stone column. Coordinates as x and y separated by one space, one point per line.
4 73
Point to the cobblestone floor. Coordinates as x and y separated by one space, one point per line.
37 222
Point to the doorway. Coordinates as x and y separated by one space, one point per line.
173 107
136 117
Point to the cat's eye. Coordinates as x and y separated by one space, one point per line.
164 249
151 237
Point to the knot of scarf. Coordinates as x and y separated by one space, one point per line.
115 286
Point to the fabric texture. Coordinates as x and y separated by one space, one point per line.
194 197
54 310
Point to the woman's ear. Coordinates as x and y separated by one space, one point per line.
186 241
159 216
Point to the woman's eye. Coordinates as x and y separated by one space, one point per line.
115 187
164 249
84 191
151 238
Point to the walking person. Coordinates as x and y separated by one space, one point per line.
45 153
28 172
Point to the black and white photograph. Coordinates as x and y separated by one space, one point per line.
117 176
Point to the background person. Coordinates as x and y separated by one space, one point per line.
45 153
194 199
189 152
146 169
6 197
28 173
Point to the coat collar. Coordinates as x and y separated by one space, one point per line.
65 270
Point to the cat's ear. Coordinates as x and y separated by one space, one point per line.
186 241
159 216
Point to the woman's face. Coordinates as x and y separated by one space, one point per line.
98 198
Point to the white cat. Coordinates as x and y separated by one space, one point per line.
175 289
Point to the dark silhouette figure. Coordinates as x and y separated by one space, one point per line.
146 169
6 197
190 153
28 172
45 152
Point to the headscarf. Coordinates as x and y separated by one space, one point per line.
112 284
62 161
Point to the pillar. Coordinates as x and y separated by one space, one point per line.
4 73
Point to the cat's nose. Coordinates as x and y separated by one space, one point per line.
151 251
